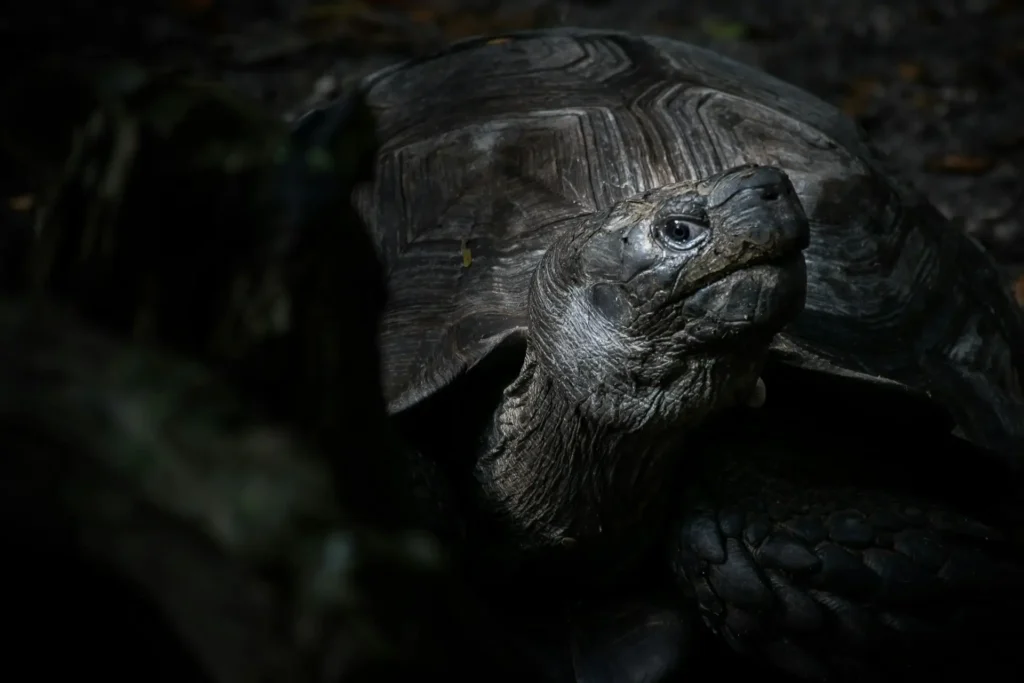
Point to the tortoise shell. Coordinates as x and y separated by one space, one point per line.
489 146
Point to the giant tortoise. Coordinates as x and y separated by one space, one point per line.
599 247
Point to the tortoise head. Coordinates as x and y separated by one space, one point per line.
662 308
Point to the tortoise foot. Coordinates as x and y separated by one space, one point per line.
634 638
628 642
856 586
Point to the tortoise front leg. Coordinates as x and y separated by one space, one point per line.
634 638
628 641
847 560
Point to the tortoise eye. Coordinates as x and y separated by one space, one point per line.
682 231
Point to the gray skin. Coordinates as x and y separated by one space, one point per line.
543 345
643 321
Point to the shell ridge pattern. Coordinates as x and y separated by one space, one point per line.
593 117
699 152
732 77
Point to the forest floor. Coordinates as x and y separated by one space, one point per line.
939 84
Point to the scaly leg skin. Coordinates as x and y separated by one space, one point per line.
637 636
838 556
629 641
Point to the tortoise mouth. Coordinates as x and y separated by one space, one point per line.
757 298
787 256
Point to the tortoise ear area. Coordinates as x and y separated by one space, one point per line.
619 253
611 301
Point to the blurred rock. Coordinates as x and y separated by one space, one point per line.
197 253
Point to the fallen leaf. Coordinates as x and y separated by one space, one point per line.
724 30
458 25
423 16
961 163
467 255
909 71
861 92
921 100
1018 290
464 25
23 202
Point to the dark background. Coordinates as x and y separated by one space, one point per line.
939 84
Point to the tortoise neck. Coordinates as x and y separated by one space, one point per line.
558 479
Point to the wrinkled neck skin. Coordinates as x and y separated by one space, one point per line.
581 457
558 476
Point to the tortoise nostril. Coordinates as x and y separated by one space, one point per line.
769 194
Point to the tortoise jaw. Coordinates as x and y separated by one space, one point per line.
758 299
791 258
